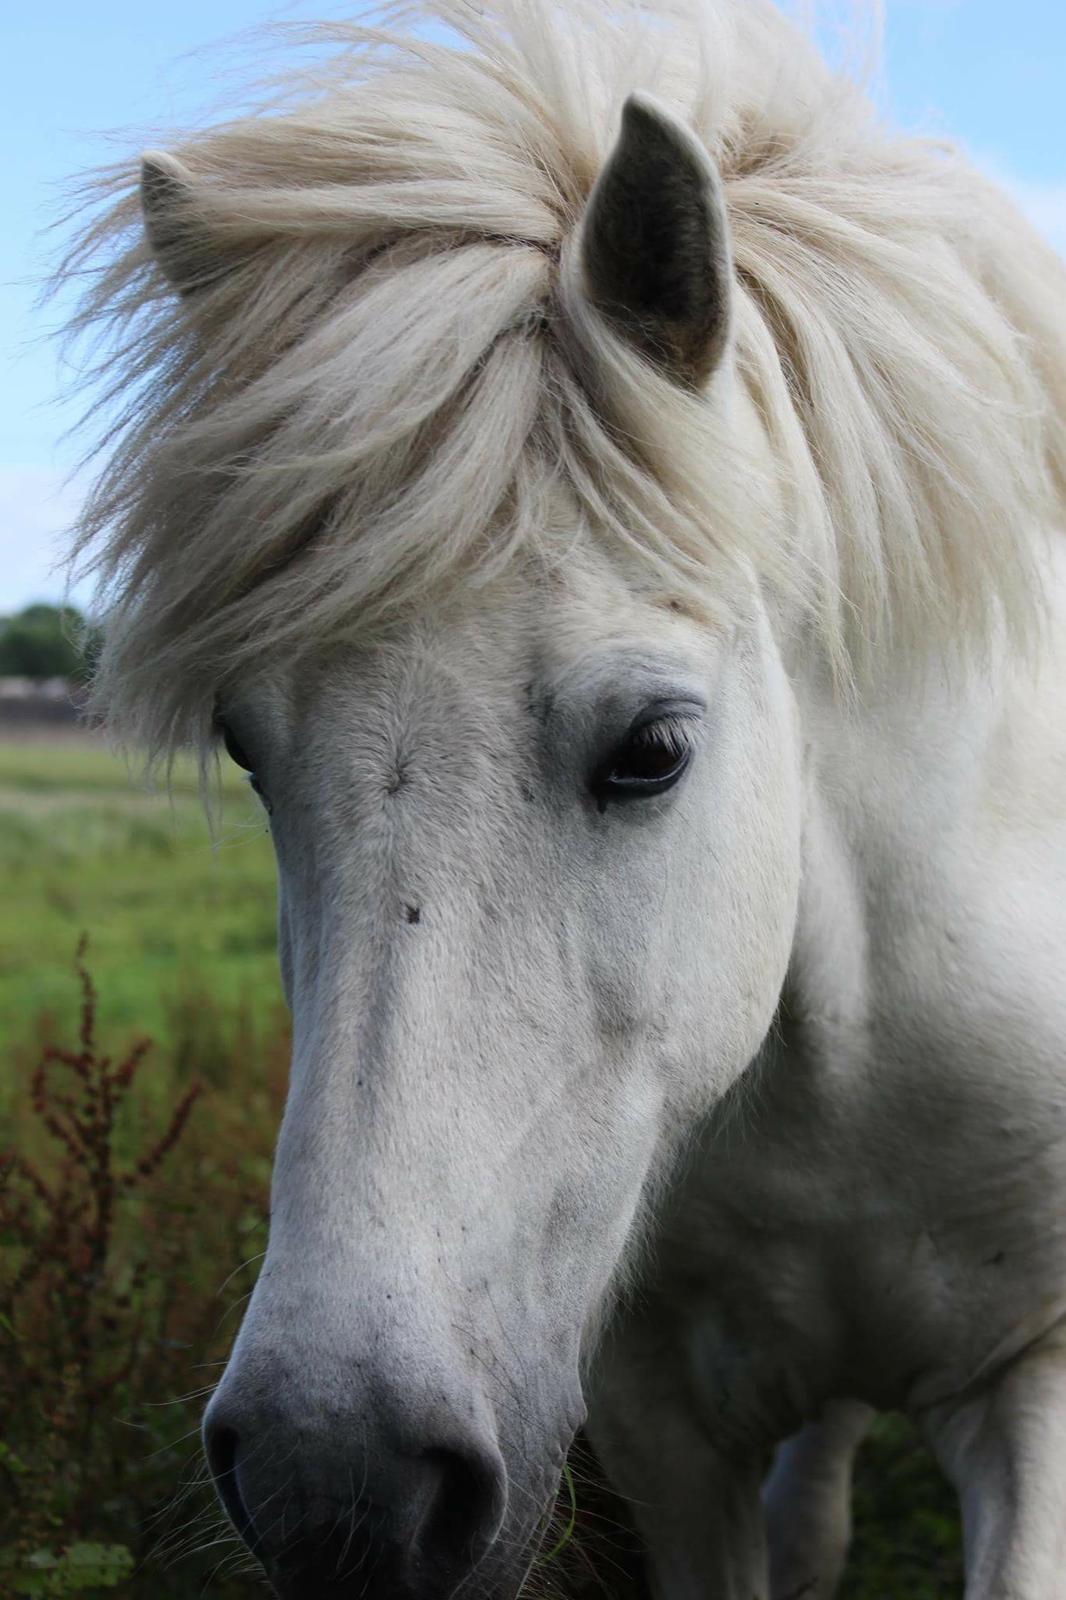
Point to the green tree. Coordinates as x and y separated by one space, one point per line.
45 641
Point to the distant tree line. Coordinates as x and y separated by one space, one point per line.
44 641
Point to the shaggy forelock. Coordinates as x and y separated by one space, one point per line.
385 378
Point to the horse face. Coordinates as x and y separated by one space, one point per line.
538 868
538 856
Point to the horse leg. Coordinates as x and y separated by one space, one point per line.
697 1510
808 1503
1005 1452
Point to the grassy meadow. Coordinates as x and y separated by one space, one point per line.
169 911
138 1108
143 1085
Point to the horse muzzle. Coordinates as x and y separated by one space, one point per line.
362 1490
351 1510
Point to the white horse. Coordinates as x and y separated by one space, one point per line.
604 488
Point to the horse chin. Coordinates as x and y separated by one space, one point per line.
500 1575
493 1579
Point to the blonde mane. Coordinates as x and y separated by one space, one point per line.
383 377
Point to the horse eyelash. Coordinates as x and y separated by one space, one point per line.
675 732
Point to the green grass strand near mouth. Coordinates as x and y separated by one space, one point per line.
568 1532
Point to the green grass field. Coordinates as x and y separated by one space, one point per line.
182 949
168 911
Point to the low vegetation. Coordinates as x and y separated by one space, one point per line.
133 1194
130 1236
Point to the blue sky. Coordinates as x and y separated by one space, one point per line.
988 73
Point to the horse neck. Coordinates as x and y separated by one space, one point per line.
894 790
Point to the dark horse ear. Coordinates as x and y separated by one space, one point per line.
656 254
181 246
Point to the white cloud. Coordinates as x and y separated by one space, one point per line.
37 512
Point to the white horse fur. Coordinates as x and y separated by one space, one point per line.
510 424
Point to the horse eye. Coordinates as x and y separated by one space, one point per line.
234 750
237 754
649 761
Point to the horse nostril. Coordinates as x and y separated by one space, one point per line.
417 1521
221 1445
464 1507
